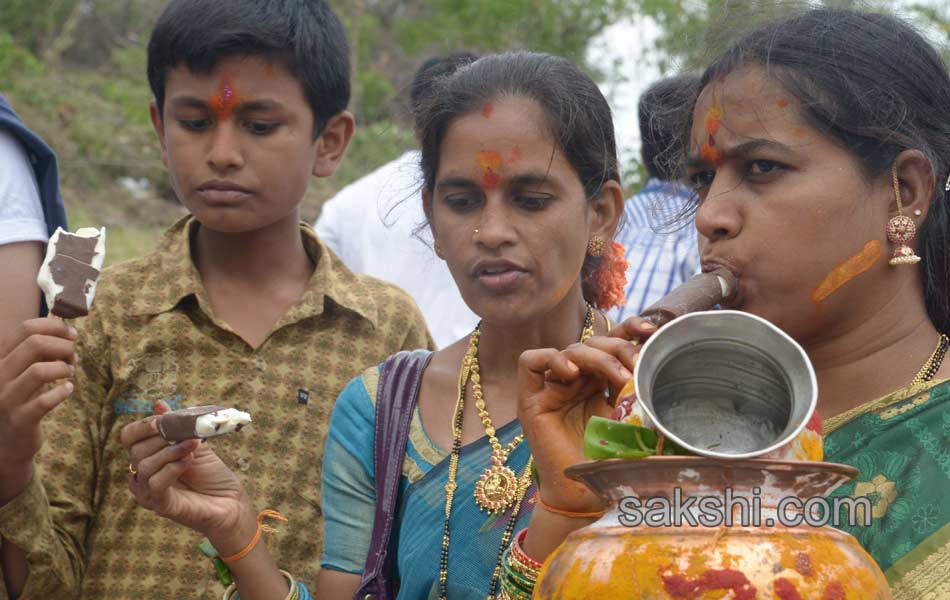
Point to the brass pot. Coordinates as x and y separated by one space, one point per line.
611 560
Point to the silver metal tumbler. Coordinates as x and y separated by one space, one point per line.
726 384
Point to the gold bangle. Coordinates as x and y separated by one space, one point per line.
568 513
293 594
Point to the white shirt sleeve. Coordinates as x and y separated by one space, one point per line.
21 214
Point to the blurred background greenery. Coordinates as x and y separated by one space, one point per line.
75 72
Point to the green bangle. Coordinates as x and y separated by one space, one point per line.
520 580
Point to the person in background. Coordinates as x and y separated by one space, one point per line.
31 208
376 226
659 259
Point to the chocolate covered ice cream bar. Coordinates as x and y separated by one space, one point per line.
71 269
201 422
702 292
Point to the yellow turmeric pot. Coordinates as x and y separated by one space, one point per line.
643 548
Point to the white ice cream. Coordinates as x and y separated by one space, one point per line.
221 422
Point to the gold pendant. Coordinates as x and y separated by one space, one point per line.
496 488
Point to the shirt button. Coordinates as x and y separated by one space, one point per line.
243 464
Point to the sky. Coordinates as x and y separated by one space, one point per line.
627 44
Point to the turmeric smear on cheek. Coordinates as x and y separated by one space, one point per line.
490 162
848 270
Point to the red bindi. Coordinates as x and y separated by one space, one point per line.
490 162
224 101
487 110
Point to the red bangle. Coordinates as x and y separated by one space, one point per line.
567 513
520 553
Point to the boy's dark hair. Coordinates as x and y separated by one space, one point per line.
577 114
664 112
875 86
305 36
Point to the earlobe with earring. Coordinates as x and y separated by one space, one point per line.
900 230
595 247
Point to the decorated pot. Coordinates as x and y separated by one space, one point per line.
643 549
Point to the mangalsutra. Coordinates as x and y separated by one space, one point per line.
930 368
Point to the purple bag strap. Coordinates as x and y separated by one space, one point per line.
396 399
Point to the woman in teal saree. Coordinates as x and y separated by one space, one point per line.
899 444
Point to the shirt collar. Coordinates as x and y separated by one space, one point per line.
171 270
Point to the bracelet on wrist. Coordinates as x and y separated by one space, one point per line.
264 514
567 513
294 593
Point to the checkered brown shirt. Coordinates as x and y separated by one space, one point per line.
152 335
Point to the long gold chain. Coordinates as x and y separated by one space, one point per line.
496 488
933 363
470 363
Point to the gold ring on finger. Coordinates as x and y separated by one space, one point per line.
132 470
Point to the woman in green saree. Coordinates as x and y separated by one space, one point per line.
818 145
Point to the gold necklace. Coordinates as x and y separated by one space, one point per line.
933 363
496 488
524 482
469 363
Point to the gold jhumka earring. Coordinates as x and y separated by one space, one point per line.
900 230
595 247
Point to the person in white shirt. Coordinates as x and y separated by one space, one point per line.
377 226
22 235
661 246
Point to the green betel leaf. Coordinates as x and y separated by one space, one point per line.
607 438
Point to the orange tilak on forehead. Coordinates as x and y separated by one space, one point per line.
490 162
224 101
708 150
848 270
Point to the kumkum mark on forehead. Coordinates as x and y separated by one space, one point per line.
708 150
713 120
490 162
487 110
848 270
224 102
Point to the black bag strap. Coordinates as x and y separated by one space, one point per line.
396 399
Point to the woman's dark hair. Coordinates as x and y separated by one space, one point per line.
577 116
875 86
662 113
305 36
